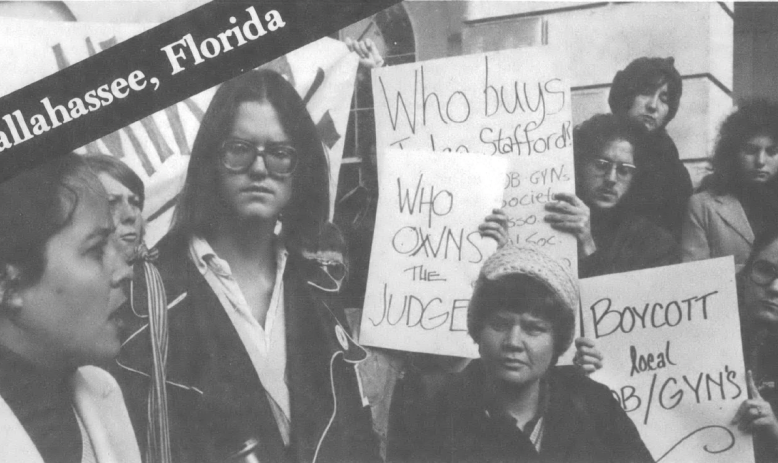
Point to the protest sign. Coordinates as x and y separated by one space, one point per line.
673 356
513 104
427 250
157 147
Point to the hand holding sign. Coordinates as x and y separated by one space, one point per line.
587 358
428 246
569 214
511 104
674 357
755 415
495 226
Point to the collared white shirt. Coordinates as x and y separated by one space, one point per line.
266 345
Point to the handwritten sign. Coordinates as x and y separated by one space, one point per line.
513 104
427 250
673 356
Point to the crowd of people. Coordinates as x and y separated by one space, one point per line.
228 340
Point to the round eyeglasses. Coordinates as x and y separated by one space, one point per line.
624 170
238 155
763 273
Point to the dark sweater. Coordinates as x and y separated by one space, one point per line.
627 242
582 423
664 186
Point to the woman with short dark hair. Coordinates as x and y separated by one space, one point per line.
62 280
126 196
514 404
740 199
648 91
259 355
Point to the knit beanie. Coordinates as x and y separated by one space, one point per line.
532 262
638 76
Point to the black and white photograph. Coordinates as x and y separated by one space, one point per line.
388 231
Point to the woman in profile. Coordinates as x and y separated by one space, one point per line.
259 356
62 280
740 199
126 196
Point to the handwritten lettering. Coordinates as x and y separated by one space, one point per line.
608 320
643 363
414 312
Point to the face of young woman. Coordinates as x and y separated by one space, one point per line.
651 109
256 194
758 159
68 318
761 296
516 348
607 178
126 212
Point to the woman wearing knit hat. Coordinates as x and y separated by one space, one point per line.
649 91
514 404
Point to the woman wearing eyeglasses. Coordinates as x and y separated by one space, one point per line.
758 302
259 355
611 238
740 199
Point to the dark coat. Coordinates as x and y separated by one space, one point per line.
583 423
760 348
626 243
664 186
215 398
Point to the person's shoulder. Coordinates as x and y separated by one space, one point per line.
709 199
463 389
173 254
172 246
572 381
704 196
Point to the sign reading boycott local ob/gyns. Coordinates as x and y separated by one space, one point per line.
511 103
673 356
427 250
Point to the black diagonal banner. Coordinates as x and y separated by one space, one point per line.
157 69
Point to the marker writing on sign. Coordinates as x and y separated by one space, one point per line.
671 391
642 363
608 320
427 315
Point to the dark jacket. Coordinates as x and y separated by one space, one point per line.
583 423
626 242
215 398
760 348
664 186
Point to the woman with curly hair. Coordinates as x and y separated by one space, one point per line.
740 199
